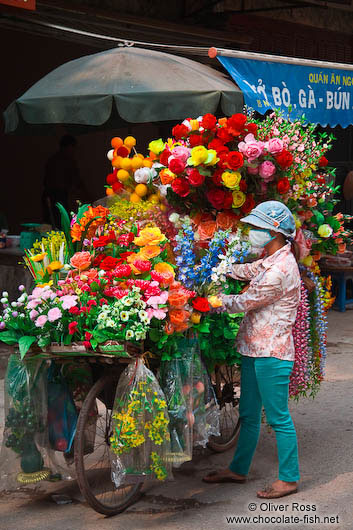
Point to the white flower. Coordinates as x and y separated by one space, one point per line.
110 323
22 298
129 334
5 294
4 300
124 316
14 304
174 217
110 154
142 314
66 267
101 273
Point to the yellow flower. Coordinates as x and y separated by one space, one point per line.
195 317
215 301
194 125
211 159
231 179
50 283
149 236
238 199
149 252
54 266
199 155
38 257
325 230
157 146
308 261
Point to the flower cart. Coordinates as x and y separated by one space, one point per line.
120 352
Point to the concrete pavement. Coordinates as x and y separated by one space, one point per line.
325 435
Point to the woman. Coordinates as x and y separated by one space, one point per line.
266 343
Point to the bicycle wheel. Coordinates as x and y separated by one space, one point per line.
92 459
226 383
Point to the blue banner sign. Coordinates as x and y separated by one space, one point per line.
324 96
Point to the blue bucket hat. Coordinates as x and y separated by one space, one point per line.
272 215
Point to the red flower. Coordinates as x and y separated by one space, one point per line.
181 186
73 327
235 160
195 178
201 304
216 144
180 131
323 161
217 177
87 344
109 263
156 276
122 151
124 255
122 271
284 159
74 310
251 128
103 301
176 165
249 204
117 186
195 139
111 178
98 260
209 121
143 265
125 239
237 122
88 335
163 158
219 198
283 185
224 134
102 241
243 185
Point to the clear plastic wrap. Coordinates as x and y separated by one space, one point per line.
140 441
192 404
25 458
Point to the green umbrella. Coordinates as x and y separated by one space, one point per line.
123 85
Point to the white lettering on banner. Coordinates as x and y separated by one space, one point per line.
338 100
302 98
281 97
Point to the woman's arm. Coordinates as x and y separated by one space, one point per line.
261 294
245 271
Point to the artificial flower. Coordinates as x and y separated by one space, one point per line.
201 304
231 179
238 199
156 146
284 159
234 160
38 257
81 260
149 236
199 155
283 185
325 230
181 187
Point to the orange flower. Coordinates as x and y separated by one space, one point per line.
206 229
81 260
164 268
178 316
167 176
181 327
311 202
200 217
226 220
149 236
222 121
178 298
341 248
149 252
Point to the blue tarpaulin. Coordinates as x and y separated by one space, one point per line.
323 95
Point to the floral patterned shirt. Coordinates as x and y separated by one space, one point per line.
270 305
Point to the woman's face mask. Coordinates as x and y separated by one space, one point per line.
259 238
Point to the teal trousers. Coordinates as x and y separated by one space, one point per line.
265 382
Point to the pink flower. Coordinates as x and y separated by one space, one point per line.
181 152
41 321
160 314
155 300
274 146
68 301
54 314
251 148
267 170
33 314
32 304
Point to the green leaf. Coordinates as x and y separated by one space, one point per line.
67 340
25 343
9 337
94 286
82 209
65 226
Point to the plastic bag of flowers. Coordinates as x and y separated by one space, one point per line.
205 406
25 458
140 441
176 378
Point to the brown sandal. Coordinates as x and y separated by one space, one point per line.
212 478
271 493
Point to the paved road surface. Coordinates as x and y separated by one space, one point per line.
325 432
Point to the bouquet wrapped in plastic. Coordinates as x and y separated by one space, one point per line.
24 455
192 405
140 441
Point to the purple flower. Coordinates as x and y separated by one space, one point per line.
2 325
15 314
21 288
